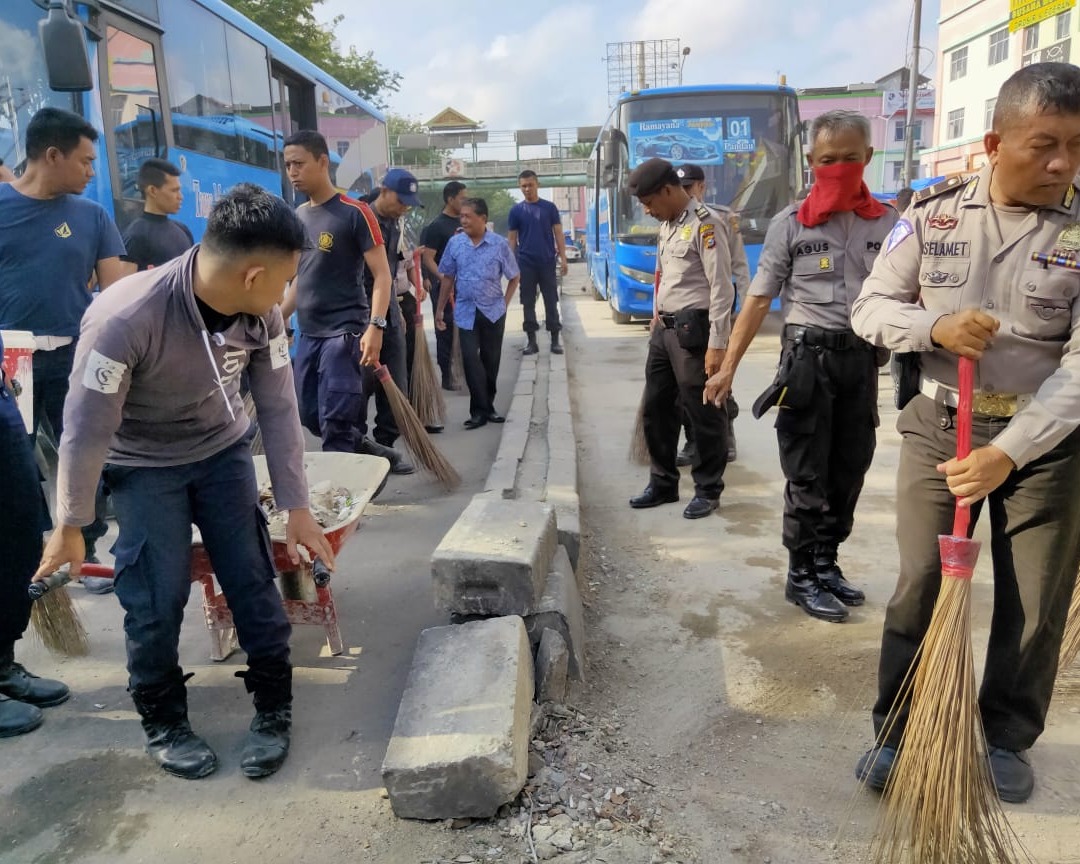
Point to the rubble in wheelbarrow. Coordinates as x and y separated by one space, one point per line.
330 505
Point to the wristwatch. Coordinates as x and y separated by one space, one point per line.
378 321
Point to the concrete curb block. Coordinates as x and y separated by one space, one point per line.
515 437
494 560
562 474
560 609
460 744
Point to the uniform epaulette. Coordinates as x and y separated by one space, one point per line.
941 188
703 213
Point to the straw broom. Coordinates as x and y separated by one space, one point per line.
425 394
55 619
1070 644
639 449
940 805
413 432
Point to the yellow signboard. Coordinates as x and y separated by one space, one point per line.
1024 13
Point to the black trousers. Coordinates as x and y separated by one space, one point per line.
674 380
481 351
544 279
444 339
408 315
1035 547
155 508
25 518
393 358
826 448
732 412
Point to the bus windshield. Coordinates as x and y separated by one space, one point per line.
747 144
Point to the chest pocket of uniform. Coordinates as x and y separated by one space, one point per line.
814 277
868 261
679 248
1042 308
943 278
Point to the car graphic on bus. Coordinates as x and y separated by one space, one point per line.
675 146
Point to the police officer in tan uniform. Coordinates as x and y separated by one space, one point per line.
693 181
690 331
956 277
816 256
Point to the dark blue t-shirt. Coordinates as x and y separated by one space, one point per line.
48 251
533 223
331 299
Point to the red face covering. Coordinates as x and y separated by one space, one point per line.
838 188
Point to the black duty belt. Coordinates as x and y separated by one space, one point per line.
667 319
819 337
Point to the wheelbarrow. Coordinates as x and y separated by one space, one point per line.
305 589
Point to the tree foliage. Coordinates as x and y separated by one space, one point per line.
295 24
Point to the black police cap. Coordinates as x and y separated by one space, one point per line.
690 173
651 176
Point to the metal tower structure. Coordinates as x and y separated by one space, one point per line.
642 64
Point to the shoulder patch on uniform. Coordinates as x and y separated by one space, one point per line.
279 351
949 185
103 374
900 232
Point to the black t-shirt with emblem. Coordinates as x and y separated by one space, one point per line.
437 234
331 299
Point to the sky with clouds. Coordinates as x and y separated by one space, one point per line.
518 65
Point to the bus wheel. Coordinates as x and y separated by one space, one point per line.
617 316
596 295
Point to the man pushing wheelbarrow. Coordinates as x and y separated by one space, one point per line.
155 399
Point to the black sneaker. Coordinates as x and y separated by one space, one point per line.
1013 775
875 766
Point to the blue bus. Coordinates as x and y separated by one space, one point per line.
192 81
747 139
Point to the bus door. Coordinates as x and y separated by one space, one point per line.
294 109
132 93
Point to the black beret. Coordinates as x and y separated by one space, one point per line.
651 176
690 173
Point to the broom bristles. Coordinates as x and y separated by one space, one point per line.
57 624
457 362
1070 644
425 394
940 805
415 435
639 448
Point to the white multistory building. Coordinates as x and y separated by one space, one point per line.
980 44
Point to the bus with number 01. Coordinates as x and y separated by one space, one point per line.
746 138
191 81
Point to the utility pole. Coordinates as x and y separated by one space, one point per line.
907 173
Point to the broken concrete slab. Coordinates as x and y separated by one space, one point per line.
495 558
552 665
560 610
460 747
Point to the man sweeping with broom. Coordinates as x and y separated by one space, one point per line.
956 278
155 397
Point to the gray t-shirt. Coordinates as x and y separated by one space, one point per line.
152 388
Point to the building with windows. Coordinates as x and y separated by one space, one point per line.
884 103
981 43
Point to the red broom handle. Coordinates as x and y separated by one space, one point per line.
966 389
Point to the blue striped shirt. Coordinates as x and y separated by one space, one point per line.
478 269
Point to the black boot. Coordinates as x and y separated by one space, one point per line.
17 717
804 590
531 347
16 683
267 742
556 348
398 463
832 578
169 739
